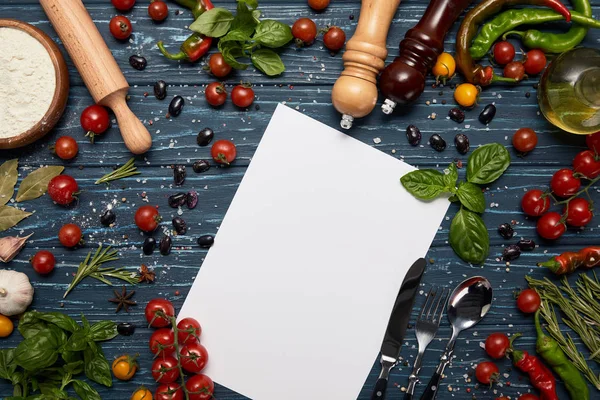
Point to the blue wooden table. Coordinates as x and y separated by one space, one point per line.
305 86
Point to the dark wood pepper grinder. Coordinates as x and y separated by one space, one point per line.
403 81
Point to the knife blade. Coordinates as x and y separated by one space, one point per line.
394 334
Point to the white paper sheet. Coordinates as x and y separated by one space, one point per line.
295 295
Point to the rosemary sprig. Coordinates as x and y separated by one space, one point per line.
128 169
91 267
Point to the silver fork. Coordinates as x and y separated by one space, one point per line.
426 328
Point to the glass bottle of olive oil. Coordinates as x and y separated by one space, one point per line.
569 91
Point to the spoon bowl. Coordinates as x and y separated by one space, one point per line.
469 302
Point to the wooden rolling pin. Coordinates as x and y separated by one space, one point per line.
97 67
354 94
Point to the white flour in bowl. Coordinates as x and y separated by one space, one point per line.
27 81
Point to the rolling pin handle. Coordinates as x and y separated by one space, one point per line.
135 135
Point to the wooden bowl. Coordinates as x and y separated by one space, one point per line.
61 93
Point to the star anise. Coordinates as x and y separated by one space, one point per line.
123 300
146 274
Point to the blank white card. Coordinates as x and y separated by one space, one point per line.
295 295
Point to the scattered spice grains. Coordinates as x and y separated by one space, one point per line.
146 274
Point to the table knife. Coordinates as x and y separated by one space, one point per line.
394 334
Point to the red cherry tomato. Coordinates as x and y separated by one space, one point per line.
158 10
318 5
496 345
165 370
66 147
564 184
218 66
504 52
534 203
502 398
514 70
200 387
242 96
304 31
193 357
550 226
587 164
528 396
223 152
529 301
188 331
524 140
593 142
123 5
70 235
63 189
578 212
147 218
95 120
162 342
487 372
334 38
535 62
120 27
43 262
159 312
215 94
169 391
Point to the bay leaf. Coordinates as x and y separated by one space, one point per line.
10 216
36 183
8 179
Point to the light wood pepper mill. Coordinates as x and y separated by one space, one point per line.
354 94
97 67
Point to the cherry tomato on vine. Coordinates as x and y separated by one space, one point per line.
188 331
514 70
162 342
95 120
120 27
6 326
578 212
524 140
147 218
215 94
535 62
304 31
141 394
504 52
550 226
43 262
593 142
496 345
466 94
487 372
528 301
223 151
534 203
218 66
334 38
242 96
444 68
564 184
169 391
587 164
66 147
158 313
193 357
123 5
124 367
158 10
200 387
318 5
70 235
63 189
165 370
528 396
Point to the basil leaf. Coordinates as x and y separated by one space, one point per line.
78 340
96 365
52 391
244 21
231 51
103 330
451 177
7 364
274 34
38 352
213 23
256 15
424 184
71 357
469 237
61 320
30 325
471 197
487 163
85 391
234 36
268 62
8 178
10 216
251 3
36 183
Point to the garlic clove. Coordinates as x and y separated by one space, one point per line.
10 246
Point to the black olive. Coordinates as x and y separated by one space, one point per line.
165 245
176 106
149 245
506 230
192 199
138 62
126 329
456 115
437 142
413 134
179 174
201 166
179 225
462 143
160 90
526 244
108 218
205 136
511 252
177 199
205 241
488 114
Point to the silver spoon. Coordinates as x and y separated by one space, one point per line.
468 304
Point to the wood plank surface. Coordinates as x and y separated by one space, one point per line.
306 86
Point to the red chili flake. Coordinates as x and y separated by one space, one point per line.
459 164
145 94
150 122
291 87
507 383
167 115
468 390
177 293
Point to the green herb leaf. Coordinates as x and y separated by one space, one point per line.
8 179
469 237
424 184
103 330
244 21
38 352
96 365
10 216
213 23
268 62
85 391
251 3
61 320
30 325
451 178
71 356
234 36
231 51
52 392
487 163
471 197
273 34
36 183
7 366
78 340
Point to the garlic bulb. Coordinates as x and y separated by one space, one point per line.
16 293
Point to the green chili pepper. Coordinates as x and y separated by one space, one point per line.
551 352
510 19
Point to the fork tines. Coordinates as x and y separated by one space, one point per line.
429 310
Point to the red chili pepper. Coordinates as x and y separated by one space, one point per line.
196 6
569 261
539 375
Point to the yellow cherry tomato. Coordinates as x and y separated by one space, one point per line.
141 394
444 67
466 94
124 367
6 326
